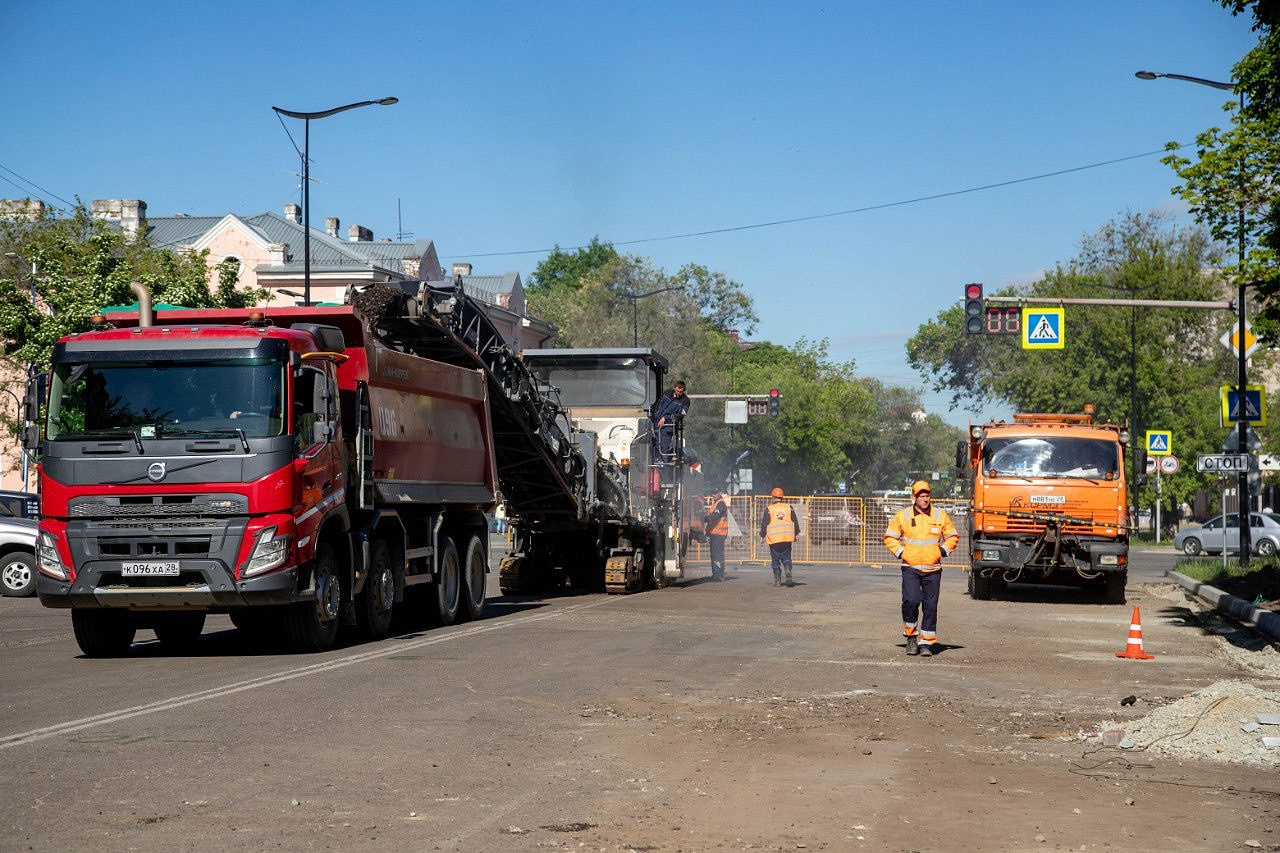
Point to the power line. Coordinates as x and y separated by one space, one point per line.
34 184
870 207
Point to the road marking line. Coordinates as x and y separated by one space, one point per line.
172 702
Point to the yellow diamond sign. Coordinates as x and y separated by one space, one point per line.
1231 340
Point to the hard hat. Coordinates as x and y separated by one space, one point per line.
920 486
777 492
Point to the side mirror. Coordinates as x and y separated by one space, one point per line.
962 455
31 437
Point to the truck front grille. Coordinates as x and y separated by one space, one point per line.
158 506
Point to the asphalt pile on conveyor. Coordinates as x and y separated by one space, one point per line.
379 303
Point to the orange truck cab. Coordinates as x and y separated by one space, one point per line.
1049 503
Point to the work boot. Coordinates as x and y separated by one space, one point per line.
913 645
926 650
777 579
790 582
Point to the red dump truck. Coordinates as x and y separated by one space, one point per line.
297 471
314 468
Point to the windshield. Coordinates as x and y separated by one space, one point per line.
154 399
1051 457
597 381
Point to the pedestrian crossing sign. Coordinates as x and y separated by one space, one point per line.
1255 405
1042 328
1159 442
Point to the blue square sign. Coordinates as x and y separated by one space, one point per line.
1159 442
1042 328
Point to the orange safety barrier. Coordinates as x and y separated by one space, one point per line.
834 530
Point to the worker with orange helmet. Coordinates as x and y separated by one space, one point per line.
920 536
779 527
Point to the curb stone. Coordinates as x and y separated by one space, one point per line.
1264 621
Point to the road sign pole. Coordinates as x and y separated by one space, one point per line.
1159 496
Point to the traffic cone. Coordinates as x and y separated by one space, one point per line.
1133 650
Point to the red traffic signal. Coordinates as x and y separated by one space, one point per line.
974 319
773 402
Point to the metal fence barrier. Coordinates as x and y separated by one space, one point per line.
845 531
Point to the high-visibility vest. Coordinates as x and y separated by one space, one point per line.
921 537
781 528
722 523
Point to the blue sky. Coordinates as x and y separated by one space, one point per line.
522 126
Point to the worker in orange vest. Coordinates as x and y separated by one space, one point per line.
717 527
920 536
779 527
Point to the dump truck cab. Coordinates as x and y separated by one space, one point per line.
1049 502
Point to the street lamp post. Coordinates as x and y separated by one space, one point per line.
1242 425
306 178
635 313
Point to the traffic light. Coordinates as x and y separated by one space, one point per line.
975 321
773 402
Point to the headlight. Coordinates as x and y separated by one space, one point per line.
1108 559
269 552
976 433
47 556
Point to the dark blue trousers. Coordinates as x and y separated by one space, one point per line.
717 554
920 592
780 554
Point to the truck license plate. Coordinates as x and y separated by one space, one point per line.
151 568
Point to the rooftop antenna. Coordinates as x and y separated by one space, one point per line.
401 234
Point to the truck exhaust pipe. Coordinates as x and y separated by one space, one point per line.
145 316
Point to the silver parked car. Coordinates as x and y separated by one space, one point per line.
1214 535
17 554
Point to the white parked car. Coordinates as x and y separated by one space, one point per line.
17 554
1212 536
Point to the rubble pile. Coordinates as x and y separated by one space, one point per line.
1219 723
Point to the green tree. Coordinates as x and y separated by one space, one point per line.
562 269
1168 358
84 265
1230 184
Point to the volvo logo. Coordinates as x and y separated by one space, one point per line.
156 471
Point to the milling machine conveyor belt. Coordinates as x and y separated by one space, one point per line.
541 472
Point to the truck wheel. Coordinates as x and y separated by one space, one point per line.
475 574
103 633
313 625
1115 584
18 574
448 586
179 630
376 601
979 587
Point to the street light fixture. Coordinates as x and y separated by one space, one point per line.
1242 425
635 298
306 178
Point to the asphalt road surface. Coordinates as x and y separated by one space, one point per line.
707 716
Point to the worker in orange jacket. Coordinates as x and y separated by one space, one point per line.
716 523
920 536
779 527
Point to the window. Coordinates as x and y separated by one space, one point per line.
311 408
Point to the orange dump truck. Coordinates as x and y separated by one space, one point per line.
1049 503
